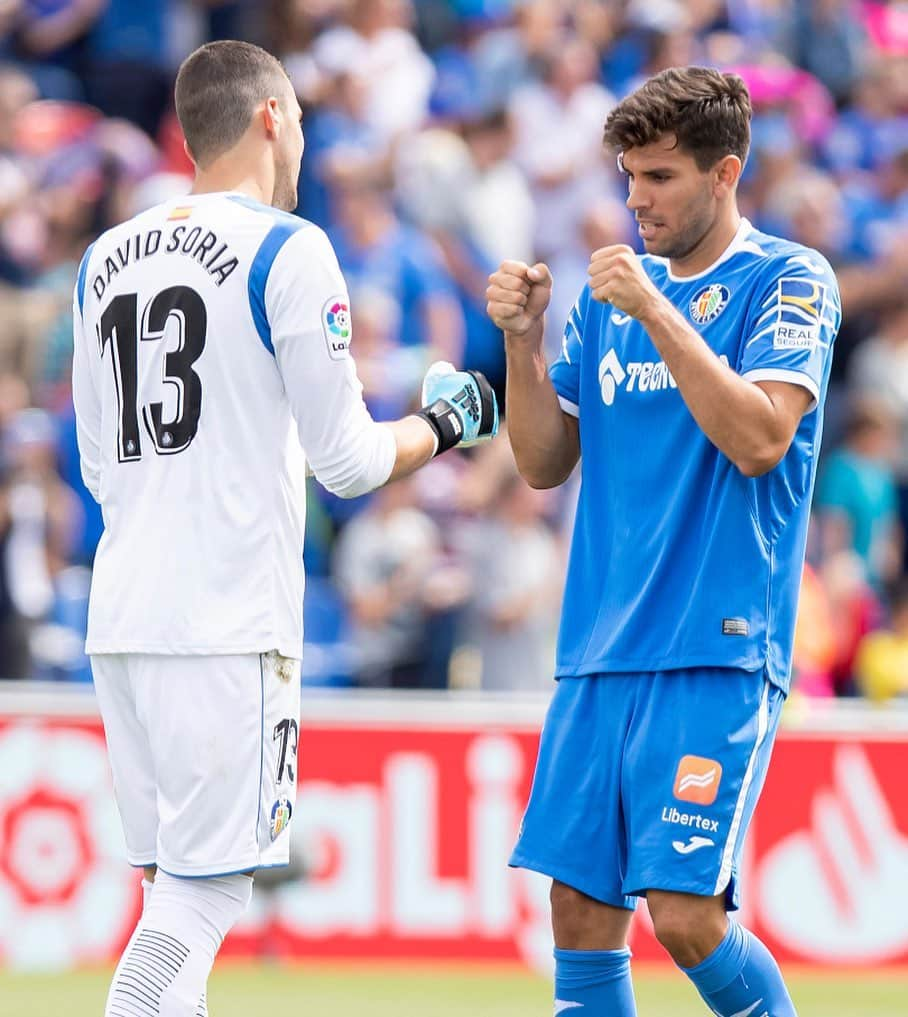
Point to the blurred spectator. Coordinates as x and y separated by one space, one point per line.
41 522
856 496
430 175
669 44
400 590
882 657
777 88
518 571
341 145
815 645
222 19
46 518
17 91
879 372
14 651
441 189
390 372
377 41
128 73
558 124
807 206
509 56
826 39
604 222
378 250
864 136
50 40
498 208
856 609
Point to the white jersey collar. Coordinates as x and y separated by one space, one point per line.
739 242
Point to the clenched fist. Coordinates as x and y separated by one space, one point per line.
518 295
617 278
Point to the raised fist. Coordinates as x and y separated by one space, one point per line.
518 295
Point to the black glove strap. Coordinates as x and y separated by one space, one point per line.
487 402
444 421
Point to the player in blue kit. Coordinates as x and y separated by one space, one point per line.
692 378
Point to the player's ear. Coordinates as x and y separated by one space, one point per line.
727 172
271 116
188 152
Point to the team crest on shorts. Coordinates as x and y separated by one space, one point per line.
709 303
283 667
280 816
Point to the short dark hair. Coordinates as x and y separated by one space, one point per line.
707 111
218 89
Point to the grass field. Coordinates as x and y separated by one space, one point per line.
244 990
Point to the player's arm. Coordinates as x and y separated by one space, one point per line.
349 452
87 404
545 439
752 423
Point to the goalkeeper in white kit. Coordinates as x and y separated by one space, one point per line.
212 361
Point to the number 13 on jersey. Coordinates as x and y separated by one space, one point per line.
120 329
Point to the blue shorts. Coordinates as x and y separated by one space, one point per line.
649 781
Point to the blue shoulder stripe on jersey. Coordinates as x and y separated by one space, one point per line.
268 250
83 273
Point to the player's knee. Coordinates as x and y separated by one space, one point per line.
214 904
689 929
675 930
582 923
568 904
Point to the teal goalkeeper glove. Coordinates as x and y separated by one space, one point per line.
459 406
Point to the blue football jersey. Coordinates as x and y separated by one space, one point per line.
678 560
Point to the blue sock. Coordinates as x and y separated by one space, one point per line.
740 978
598 981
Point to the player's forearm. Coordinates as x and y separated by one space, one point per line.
544 442
416 444
738 417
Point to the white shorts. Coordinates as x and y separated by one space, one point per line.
203 752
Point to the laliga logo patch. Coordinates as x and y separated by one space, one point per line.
337 327
708 305
280 816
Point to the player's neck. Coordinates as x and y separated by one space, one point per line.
212 183
240 169
711 247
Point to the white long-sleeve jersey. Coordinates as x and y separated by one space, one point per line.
211 361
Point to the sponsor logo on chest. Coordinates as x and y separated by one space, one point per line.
634 376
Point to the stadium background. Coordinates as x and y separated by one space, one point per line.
442 136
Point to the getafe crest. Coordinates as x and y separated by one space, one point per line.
709 304
280 816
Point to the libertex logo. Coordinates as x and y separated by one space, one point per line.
697 780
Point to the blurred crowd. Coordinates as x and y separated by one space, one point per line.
441 137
